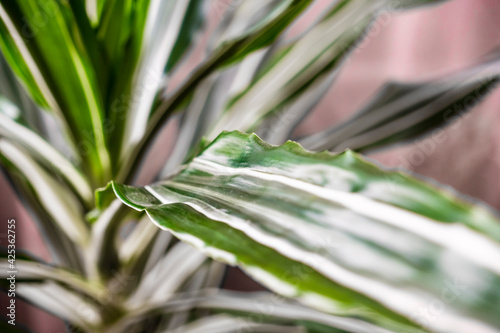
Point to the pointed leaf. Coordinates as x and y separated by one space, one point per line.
62 303
401 111
334 231
57 69
27 270
58 202
164 23
229 52
44 153
304 64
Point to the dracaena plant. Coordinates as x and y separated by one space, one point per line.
342 244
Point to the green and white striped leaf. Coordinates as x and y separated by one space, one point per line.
303 63
403 111
260 36
211 95
55 65
336 232
167 33
33 271
159 284
58 202
14 91
94 9
63 251
229 324
43 152
192 23
272 308
262 307
121 35
115 28
63 303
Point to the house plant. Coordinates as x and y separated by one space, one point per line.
294 220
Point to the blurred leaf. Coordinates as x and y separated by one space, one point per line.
162 30
62 303
102 255
210 96
229 52
13 90
57 200
191 24
115 29
135 246
61 248
303 65
171 272
94 9
272 308
401 111
315 227
262 307
43 152
29 270
43 44
277 127
90 45
225 323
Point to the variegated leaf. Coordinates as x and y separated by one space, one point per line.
304 63
167 33
58 202
401 111
43 152
336 232
227 53
58 48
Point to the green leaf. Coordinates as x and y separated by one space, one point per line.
53 62
29 270
104 196
59 203
115 29
263 307
63 251
43 152
94 10
13 90
168 275
301 66
236 49
401 111
336 232
225 323
63 303
162 28
191 25
211 95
